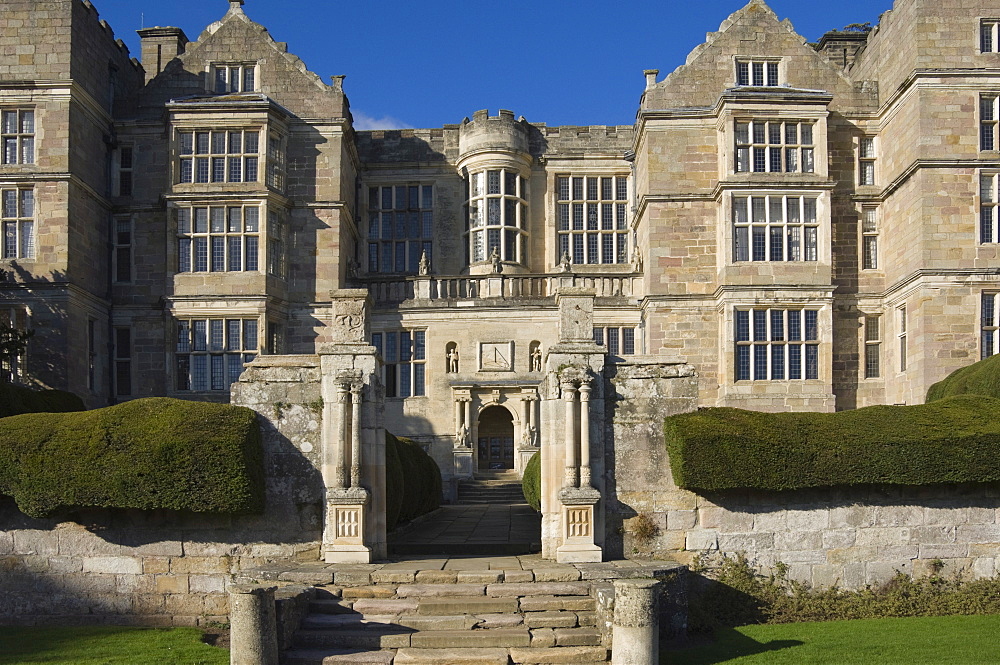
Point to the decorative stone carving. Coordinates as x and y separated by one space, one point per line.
350 316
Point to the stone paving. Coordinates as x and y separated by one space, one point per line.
454 570
471 529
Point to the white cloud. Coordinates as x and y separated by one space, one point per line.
364 121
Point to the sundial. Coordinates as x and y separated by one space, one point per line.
496 356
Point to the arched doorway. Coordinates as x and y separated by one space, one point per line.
496 439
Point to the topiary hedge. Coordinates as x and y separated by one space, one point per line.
981 378
415 486
953 440
531 482
15 400
148 453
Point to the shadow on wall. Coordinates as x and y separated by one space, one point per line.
49 359
968 495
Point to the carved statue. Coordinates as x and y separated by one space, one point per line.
424 267
462 436
352 268
495 259
529 437
564 262
637 258
536 360
453 361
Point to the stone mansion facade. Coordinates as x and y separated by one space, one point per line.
808 226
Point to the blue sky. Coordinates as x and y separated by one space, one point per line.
425 64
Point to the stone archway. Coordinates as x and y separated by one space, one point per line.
495 439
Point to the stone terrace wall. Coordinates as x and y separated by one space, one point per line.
845 536
850 537
166 568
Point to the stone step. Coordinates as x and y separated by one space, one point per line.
415 621
374 636
332 656
552 619
548 603
330 606
491 637
467 605
553 655
538 589
368 637
460 656
577 637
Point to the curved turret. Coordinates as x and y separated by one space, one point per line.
495 163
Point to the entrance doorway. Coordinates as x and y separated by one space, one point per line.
496 439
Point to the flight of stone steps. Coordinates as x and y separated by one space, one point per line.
449 617
496 487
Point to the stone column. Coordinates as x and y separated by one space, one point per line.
354 525
468 414
356 435
339 452
585 432
254 632
569 397
572 512
635 634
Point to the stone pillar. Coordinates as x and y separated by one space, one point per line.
254 632
572 432
569 397
356 435
337 450
635 634
354 526
585 432
468 417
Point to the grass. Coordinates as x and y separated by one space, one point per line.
107 645
948 640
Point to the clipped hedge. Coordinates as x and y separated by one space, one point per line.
15 400
148 453
953 440
415 485
981 378
531 482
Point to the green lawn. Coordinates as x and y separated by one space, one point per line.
107 645
950 640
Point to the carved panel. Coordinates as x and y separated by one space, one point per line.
349 523
578 522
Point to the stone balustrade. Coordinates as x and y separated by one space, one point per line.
395 290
